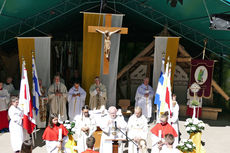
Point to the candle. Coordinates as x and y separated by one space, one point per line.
60 134
159 134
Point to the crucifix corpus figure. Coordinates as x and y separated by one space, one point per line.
107 43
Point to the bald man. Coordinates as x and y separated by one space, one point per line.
108 126
137 129
144 98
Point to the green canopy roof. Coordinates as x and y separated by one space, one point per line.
190 20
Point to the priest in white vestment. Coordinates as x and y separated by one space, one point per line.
108 126
57 95
137 129
85 126
174 118
98 97
15 127
76 99
144 97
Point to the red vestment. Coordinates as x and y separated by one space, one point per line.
4 123
89 151
189 111
51 134
165 129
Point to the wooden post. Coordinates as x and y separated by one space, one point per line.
148 70
128 85
115 146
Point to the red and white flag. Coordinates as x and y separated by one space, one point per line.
25 102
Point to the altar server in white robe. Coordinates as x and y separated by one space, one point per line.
76 99
85 126
144 97
108 126
137 129
174 119
15 127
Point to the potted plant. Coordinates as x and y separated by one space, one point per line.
186 146
195 127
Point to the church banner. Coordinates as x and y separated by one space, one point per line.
95 63
201 73
41 48
167 46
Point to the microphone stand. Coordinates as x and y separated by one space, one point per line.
127 138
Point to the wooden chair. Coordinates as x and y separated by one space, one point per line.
124 104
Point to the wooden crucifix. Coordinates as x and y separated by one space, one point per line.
107 31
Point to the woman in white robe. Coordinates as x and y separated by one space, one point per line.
85 126
15 127
76 99
174 119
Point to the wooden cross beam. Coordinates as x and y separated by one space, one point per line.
107 31
108 24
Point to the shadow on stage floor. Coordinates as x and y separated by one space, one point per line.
38 140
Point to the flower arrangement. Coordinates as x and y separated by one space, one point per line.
69 126
186 146
194 125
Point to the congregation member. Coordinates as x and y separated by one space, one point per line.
4 102
9 85
137 129
85 126
159 131
15 127
98 95
169 141
53 137
174 118
76 99
90 141
57 95
109 125
144 97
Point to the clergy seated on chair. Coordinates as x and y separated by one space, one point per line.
90 141
84 128
159 131
137 129
98 96
144 97
168 145
57 95
4 101
108 126
76 99
9 85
